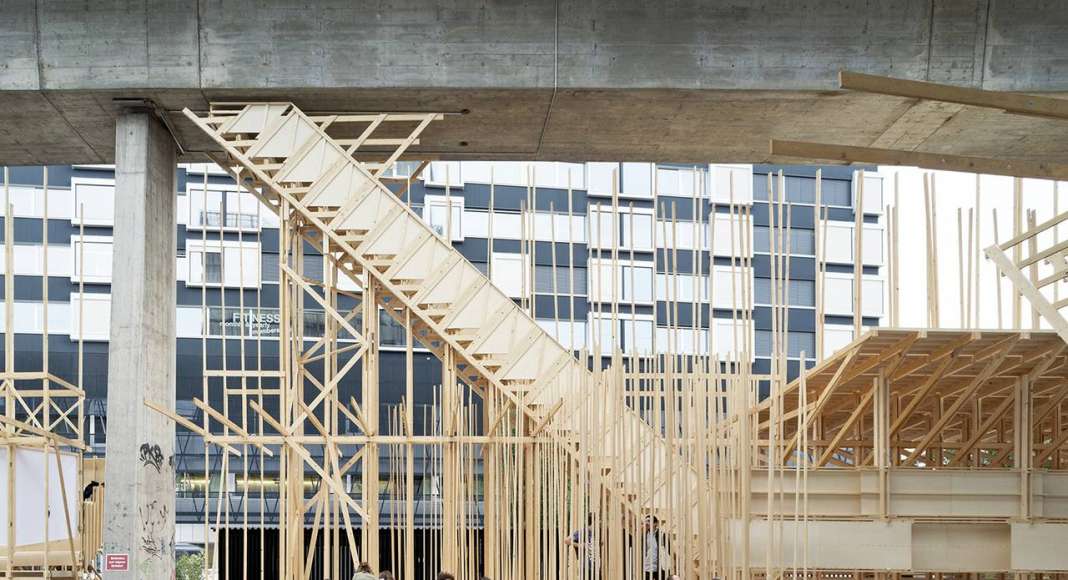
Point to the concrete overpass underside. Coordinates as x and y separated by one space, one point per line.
571 80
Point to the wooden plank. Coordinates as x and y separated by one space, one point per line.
945 162
1019 103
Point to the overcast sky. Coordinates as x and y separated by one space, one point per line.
953 191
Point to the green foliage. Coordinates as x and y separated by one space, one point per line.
190 567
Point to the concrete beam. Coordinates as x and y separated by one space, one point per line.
139 472
571 80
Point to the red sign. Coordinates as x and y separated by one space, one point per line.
116 562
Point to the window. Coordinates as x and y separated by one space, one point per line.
729 290
681 340
727 236
802 242
570 336
633 281
92 260
730 337
797 342
637 283
234 264
603 228
681 288
677 181
212 264
633 333
436 215
222 208
637 230
509 275
549 227
269 267
94 201
682 235
801 292
544 280
442 173
836 192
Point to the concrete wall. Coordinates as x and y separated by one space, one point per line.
688 44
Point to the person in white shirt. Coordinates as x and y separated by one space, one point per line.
656 561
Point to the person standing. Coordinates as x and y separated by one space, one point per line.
656 559
585 540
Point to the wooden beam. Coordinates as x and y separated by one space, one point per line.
874 155
1019 103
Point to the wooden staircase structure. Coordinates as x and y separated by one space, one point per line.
318 172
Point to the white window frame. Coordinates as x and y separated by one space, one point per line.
195 199
456 202
76 259
621 276
231 276
746 328
75 185
745 275
436 174
721 222
626 321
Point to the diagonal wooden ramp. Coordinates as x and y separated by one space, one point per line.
289 160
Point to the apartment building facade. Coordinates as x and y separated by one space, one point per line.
646 258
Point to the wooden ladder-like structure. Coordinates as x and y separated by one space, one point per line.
341 204
1023 261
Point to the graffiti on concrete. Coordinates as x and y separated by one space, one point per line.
152 456
155 538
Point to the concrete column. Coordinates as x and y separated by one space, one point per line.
139 473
